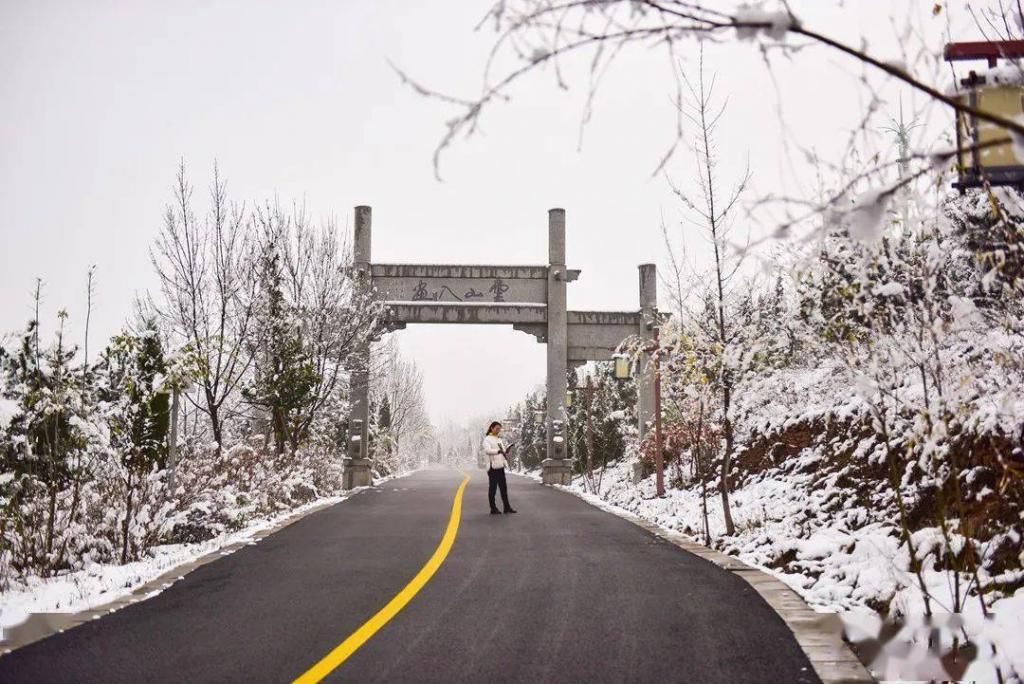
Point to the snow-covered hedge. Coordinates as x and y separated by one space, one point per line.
214 492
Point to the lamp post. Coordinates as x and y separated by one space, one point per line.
172 441
659 464
623 372
588 392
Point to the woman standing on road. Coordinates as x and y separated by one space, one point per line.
495 451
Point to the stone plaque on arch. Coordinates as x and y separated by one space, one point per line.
466 284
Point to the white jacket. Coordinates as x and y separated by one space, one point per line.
493 448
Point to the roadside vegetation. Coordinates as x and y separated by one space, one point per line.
224 400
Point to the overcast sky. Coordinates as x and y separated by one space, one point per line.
100 100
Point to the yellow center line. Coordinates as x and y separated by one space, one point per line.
343 651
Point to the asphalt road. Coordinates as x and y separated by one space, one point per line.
560 592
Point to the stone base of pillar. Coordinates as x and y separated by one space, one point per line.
356 473
556 471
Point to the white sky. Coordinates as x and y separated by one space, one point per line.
101 99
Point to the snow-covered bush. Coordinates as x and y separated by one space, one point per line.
880 442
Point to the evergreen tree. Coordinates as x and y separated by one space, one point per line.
575 423
384 424
612 408
46 440
384 414
284 377
134 367
138 413
532 441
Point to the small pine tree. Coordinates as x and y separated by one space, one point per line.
384 415
46 440
531 435
138 413
381 445
612 406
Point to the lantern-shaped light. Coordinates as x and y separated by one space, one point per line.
622 368
993 91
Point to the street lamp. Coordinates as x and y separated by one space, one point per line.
623 367
986 154
659 462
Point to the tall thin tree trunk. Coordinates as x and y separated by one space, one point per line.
88 318
50 519
76 499
126 528
717 228
215 425
589 392
704 508
730 527
172 441
701 466
280 430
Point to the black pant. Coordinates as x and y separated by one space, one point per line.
496 479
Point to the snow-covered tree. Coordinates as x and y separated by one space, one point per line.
312 306
397 384
45 449
718 333
602 413
207 281
531 441
136 405
283 377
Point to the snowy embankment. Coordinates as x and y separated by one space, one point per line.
813 505
847 566
99 584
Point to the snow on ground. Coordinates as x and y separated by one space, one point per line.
99 584
843 563
534 474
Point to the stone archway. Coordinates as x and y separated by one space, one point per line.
529 298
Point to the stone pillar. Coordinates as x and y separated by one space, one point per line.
648 320
556 469
356 471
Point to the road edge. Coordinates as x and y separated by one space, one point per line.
819 635
39 626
